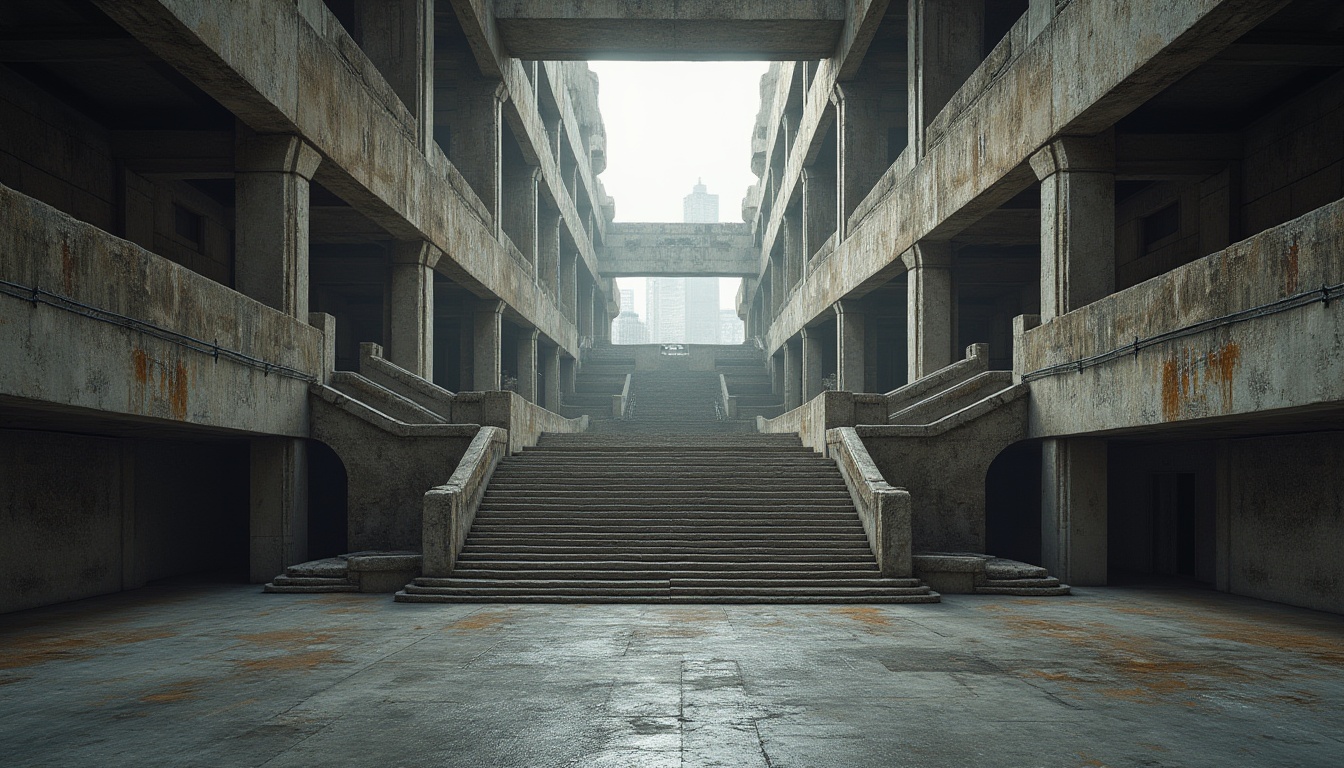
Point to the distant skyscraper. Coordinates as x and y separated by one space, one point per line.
731 330
700 207
685 310
628 328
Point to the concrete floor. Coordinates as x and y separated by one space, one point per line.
208 675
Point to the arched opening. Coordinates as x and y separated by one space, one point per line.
1013 503
328 502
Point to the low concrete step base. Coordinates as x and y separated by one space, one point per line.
932 597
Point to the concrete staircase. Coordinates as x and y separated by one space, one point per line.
670 505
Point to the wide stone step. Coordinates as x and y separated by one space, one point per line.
1048 581
680 557
634 485
754 599
644 572
1062 589
309 581
308 590
525 537
718 494
594 551
619 530
867 566
688 506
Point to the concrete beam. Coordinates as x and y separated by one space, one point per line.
781 30
678 250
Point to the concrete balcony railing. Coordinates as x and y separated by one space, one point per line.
1223 337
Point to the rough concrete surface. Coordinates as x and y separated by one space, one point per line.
220 676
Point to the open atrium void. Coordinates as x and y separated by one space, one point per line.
548 383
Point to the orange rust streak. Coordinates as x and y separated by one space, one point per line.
1171 390
177 395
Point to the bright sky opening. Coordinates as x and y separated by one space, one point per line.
669 125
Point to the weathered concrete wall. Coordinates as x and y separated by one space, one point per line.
296 79
685 30
389 466
1094 63
1285 519
943 465
678 250
1253 366
64 358
86 515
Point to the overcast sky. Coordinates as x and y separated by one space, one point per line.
670 124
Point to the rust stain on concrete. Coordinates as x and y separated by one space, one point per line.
40 648
67 268
1187 377
302 661
140 362
287 637
479 620
1290 269
865 614
183 690
177 391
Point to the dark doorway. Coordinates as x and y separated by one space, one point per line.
1013 503
328 502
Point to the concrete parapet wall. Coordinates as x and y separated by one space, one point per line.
812 419
1219 369
389 466
884 510
678 250
943 465
448 510
523 421
86 355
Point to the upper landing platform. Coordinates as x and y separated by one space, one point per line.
686 30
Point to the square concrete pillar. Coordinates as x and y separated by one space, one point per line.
1073 510
793 375
1077 222
548 250
794 246
271 220
398 37
861 134
928 307
811 364
472 130
487 341
819 212
943 47
849 347
527 365
550 377
278 521
412 307
569 284
520 210
569 370
585 320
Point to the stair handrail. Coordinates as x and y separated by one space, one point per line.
620 403
727 401
975 362
450 509
885 511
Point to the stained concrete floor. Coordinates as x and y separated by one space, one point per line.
209 675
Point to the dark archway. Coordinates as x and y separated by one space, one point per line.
328 502
1013 503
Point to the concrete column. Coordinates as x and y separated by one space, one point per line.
486 345
944 44
412 307
928 307
271 220
569 284
548 250
849 347
569 369
1039 15
278 521
818 209
527 365
550 366
1073 510
812 346
795 259
474 126
586 307
793 376
601 314
520 211
398 37
1077 222
860 135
